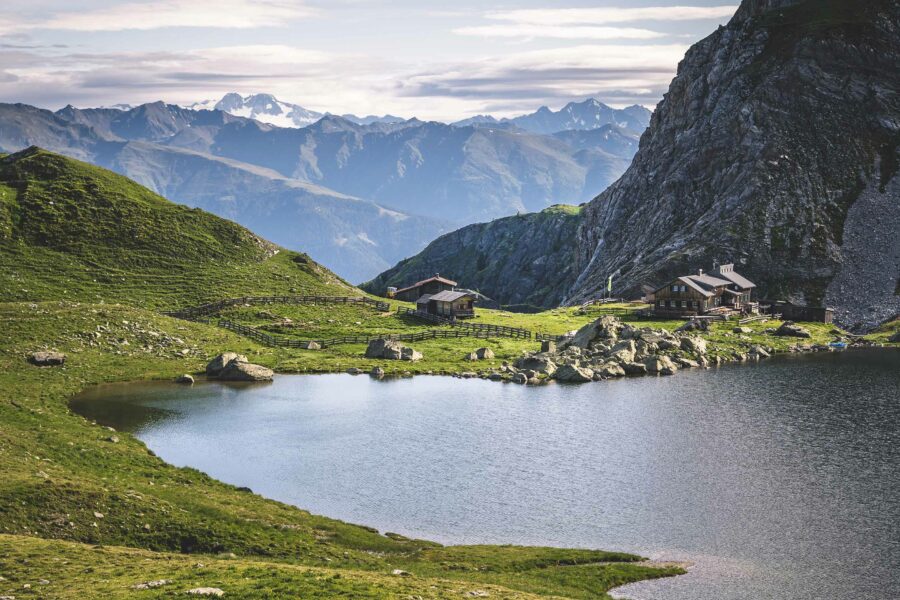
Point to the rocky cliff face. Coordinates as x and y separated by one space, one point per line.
522 260
775 148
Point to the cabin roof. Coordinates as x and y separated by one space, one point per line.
694 285
437 278
708 280
424 298
448 296
727 272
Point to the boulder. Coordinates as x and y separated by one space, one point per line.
311 345
694 325
540 364
687 363
895 339
693 344
216 365
520 378
206 591
471 356
375 349
623 351
47 359
606 327
743 330
184 379
791 329
495 376
574 374
660 365
377 373
548 346
760 351
533 381
407 353
241 370
610 370
635 368
484 354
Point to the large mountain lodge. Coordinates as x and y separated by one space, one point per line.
721 290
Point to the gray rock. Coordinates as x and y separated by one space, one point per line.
573 374
623 351
376 348
484 354
206 591
377 373
540 364
760 351
635 368
311 345
895 339
149 585
185 379
744 330
409 354
520 378
354 371
609 370
215 366
47 359
660 365
548 346
791 329
238 370
687 363
693 344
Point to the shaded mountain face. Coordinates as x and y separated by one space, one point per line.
776 148
535 273
357 238
778 133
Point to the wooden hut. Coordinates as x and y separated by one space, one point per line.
432 285
449 304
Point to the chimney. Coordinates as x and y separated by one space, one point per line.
699 271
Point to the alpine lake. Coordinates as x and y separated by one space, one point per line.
774 480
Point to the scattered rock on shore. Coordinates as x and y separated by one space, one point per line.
185 379
791 329
238 370
216 365
391 350
47 359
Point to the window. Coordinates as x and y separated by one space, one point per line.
674 288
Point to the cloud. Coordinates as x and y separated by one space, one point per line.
159 14
616 74
603 16
558 32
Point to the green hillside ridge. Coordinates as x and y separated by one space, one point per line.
70 230
87 258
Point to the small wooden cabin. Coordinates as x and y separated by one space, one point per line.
683 297
449 304
432 285
740 288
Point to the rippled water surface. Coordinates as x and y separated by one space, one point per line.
778 480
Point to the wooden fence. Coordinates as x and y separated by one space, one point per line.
191 313
494 330
268 339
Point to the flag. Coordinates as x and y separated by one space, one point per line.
609 284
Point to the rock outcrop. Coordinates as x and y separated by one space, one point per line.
789 329
238 370
215 366
391 350
47 359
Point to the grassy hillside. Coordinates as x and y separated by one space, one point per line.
69 230
86 259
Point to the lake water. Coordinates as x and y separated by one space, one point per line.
779 480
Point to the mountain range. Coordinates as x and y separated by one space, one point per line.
357 197
776 148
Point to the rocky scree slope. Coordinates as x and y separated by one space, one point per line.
776 130
522 260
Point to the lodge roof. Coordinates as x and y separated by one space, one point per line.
727 272
424 298
448 296
694 285
437 278
708 280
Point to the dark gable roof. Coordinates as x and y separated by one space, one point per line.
695 286
709 281
447 296
727 272
424 298
424 281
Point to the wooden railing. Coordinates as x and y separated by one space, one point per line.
495 330
268 339
191 313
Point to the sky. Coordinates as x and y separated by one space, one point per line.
432 60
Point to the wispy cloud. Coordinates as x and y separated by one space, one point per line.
525 30
605 16
159 14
